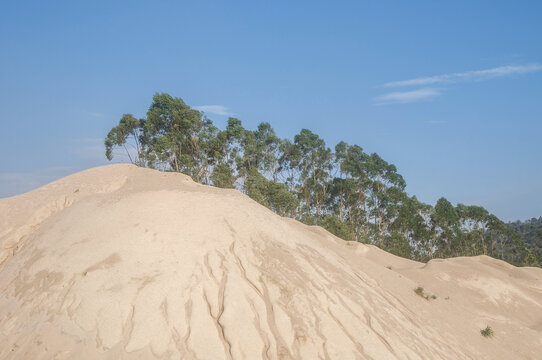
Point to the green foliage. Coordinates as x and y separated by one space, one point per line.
222 176
313 166
398 245
487 332
336 227
531 234
419 291
275 196
354 195
128 135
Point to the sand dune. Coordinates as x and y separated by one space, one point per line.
120 262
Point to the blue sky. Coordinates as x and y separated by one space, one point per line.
450 92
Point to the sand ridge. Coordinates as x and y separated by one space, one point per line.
120 262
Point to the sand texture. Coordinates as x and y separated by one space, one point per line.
120 262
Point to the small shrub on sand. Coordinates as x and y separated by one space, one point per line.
487 332
419 291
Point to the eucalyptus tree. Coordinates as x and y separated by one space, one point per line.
411 223
289 164
256 152
349 191
314 170
128 135
479 216
219 164
445 228
496 231
384 181
335 226
177 136
352 194
474 225
267 145
253 156
271 194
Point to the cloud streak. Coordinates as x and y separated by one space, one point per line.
403 97
475 75
215 109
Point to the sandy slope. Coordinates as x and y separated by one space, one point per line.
120 262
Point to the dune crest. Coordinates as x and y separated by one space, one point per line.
120 262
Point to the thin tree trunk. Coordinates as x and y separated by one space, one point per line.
127 152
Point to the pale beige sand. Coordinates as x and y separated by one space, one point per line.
120 262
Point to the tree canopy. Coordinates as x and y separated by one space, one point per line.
354 195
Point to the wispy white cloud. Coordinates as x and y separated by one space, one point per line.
92 114
215 109
475 75
403 97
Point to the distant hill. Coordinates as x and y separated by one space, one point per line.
530 231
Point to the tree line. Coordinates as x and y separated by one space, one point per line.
354 195
531 233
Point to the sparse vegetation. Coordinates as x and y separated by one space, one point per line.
389 267
487 332
421 292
